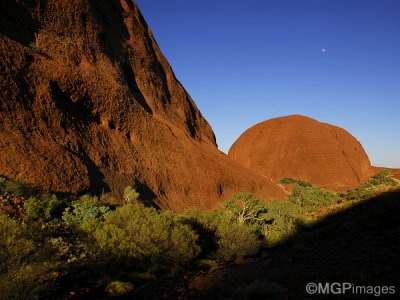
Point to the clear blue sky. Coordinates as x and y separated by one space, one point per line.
244 62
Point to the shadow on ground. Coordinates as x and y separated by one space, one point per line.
360 245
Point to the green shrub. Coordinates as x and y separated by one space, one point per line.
311 198
147 236
283 216
383 177
84 210
43 207
288 180
374 185
15 187
245 209
234 241
3 181
363 192
119 288
130 195
16 249
221 236
24 263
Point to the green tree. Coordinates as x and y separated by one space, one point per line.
246 208
130 195
83 210
149 237
43 207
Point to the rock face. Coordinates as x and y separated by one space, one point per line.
88 103
303 148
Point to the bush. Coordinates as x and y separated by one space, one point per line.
130 195
288 180
235 241
221 236
16 249
363 192
311 198
246 209
14 187
383 177
283 216
84 210
377 183
146 236
43 208
24 263
119 288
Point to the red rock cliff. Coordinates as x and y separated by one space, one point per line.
89 103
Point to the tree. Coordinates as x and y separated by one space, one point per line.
130 194
246 208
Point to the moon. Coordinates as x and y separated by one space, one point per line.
323 50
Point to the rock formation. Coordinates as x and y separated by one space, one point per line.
88 103
303 148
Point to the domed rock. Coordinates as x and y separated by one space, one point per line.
303 148
88 103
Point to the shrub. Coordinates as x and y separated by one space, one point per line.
43 207
84 210
373 186
235 241
221 236
16 249
310 198
14 187
363 192
383 177
3 181
130 195
282 219
151 238
288 180
246 209
119 288
24 263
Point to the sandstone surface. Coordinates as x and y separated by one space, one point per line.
303 148
88 103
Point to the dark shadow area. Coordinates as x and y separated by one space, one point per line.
97 179
191 118
147 196
360 245
82 109
134 88
16 22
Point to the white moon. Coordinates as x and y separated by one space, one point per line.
323 50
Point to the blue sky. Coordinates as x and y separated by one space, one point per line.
244 62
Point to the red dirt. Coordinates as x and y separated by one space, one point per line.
90 104
303 148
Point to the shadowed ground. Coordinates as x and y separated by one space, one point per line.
359 245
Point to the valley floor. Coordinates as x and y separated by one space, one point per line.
359 245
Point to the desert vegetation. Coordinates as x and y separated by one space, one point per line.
59 244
